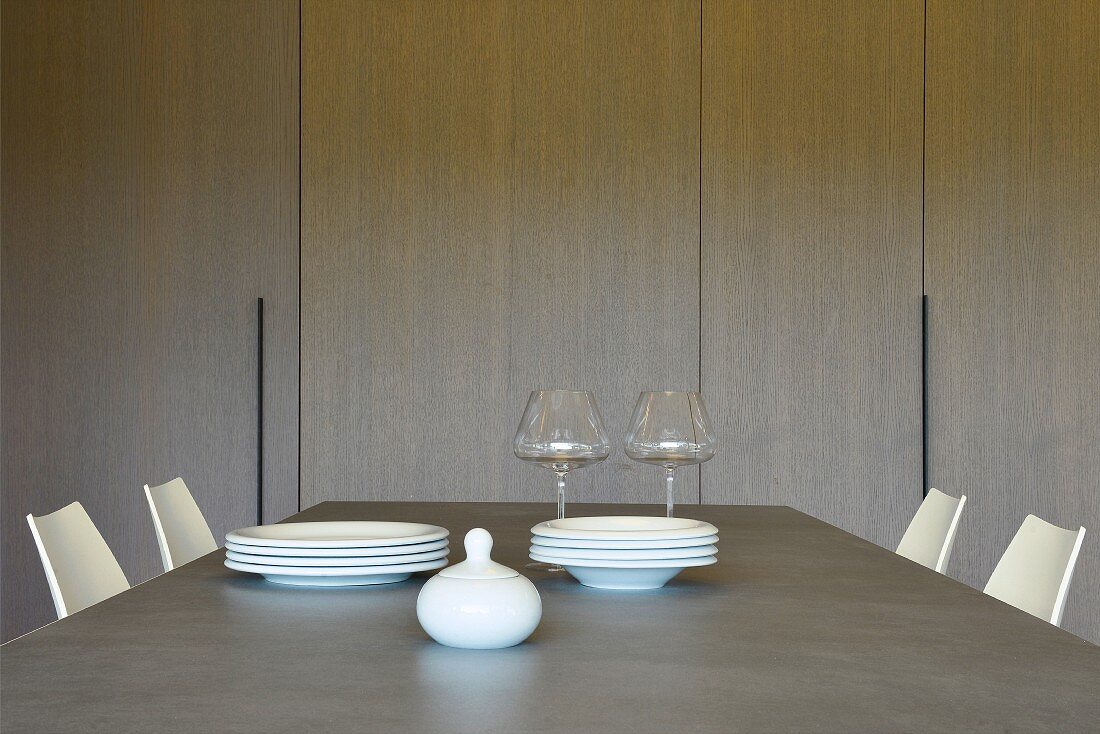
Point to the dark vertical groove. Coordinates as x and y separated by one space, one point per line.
923 146
699 264
259 411
923 263
300 255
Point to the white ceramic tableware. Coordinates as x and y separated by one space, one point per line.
340 561
625 555
381 550
345 534
621 579
624 527
602 574
479 604
347 576
622 544
654 563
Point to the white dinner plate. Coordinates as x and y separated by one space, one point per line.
626 555
381 550
335 561
653 563
348 576
345 534
623 527
623 544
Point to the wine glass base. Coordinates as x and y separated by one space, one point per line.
547 567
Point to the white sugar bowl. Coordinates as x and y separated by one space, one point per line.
479 604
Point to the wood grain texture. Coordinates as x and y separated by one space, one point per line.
218 210
149 195
1013 277
68 367
811 258
497 197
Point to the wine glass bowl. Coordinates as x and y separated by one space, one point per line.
560 455
561 430
670 429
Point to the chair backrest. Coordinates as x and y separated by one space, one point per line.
80 569
931 534
182 532
1036 569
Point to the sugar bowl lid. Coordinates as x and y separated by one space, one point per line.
478 565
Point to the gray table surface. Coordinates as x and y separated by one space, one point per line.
798 627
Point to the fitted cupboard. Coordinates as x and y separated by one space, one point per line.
746 196
150 197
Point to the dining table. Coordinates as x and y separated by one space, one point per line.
798 627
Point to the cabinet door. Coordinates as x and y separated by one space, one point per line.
150 196
811 258
1013 277
497 197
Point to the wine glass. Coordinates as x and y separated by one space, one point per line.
670 429
561 430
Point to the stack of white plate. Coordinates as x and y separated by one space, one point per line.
622 552
337 553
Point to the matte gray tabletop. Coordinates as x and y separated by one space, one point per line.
798 627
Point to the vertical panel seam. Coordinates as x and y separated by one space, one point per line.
923 143
300 35
699 200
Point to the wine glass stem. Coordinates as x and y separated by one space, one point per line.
561 495
670 497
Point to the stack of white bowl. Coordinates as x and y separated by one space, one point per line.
622 552
337 553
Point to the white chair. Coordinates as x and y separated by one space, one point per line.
931 534
182 531
1036 569
80 569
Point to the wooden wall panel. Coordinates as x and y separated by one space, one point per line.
1013 277
69 256
811 258
218 211
406 142
605 220
497 197
150 191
